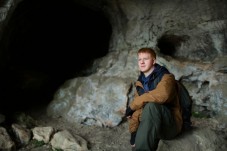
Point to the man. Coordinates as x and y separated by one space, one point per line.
155 112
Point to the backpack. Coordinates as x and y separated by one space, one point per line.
185 103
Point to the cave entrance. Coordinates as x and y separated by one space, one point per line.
45 44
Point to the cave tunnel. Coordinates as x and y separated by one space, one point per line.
45 44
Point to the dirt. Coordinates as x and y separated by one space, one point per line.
99 138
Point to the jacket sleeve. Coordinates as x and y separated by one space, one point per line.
138 84
163 93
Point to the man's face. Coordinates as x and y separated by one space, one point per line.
146 63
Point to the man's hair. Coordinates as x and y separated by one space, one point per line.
147 50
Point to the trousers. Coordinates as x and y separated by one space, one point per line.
157 122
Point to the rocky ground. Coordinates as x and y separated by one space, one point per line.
98 138
105 139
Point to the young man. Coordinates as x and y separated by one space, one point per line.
155 112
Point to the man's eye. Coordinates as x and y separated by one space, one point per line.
144 59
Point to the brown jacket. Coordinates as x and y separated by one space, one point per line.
165 92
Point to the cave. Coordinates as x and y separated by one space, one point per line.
72 65
46 43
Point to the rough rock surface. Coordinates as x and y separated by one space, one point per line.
189 41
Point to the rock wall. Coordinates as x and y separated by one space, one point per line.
190 39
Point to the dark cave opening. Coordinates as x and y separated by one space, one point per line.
46 43
168 43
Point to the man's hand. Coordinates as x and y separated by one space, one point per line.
129 112
140 90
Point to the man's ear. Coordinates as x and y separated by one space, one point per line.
154 61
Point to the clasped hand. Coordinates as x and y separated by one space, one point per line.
129 112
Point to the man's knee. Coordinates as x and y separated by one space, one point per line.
152 106
151 111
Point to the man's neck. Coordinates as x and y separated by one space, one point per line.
149 72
